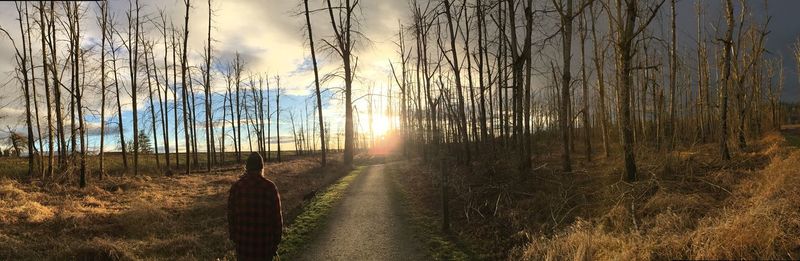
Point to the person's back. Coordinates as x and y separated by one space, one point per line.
254 214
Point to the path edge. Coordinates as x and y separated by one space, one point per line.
314 214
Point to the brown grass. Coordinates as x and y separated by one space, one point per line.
762 220
693 207
687 204
146 217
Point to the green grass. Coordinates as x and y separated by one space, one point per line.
300 232
426 227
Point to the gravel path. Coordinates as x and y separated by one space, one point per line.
366 225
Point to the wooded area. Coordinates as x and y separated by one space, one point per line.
169 86
480 84
658 92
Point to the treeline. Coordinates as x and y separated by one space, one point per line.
473 78
478 77
142 54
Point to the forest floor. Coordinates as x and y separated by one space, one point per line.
686 204
145 217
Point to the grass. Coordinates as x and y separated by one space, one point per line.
17 168
758 218
150 216
439 246
298 234
687 204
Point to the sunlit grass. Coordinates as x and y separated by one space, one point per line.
146 217
299 233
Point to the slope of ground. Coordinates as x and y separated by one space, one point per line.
686 204
146 217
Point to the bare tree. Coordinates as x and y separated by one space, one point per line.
726 80
113 50
316 84
149 49
62 147
103 28
278 114
462 118
132 46
208 113
673 71
45 70
22 67
625 30
164 104
582 30
567 15
343 45
34 96
184 81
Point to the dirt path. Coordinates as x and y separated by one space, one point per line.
366 225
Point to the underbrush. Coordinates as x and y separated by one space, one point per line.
425 222
691 206
686 204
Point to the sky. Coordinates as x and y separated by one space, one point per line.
271 37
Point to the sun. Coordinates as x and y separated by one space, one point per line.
380 125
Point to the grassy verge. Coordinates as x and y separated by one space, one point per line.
313 215
426 224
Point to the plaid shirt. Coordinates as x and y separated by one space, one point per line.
255 221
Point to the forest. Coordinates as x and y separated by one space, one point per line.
489 129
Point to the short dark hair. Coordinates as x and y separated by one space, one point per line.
254 162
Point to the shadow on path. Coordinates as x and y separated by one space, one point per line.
366 225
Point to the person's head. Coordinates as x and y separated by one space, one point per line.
254 163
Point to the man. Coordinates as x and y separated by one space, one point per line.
255 221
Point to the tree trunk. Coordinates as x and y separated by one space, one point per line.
566 79
462 118
184 81
726 81
316 85
45 69
103 24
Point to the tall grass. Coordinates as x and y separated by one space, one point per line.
150 217
733 212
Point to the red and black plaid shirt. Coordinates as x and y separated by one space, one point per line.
255 221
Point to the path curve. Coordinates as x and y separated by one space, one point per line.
367 224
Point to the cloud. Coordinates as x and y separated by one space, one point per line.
272 40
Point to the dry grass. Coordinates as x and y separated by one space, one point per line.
687 204
762 220
131 218
692 206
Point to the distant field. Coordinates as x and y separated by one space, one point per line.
14 167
